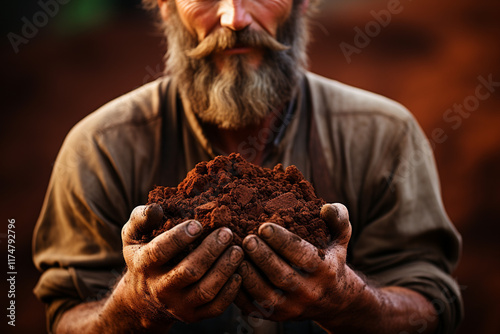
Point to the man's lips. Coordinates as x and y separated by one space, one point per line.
237 50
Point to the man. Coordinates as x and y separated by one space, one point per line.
236 83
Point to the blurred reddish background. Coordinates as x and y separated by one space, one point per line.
429 58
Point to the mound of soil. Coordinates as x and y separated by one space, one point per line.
229 191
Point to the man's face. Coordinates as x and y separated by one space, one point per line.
205 17
235 60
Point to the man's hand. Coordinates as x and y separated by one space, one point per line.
288 280
151 296
201 286
292 281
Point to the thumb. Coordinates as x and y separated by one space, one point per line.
336 217
143 220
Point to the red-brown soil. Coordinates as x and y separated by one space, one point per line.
229 191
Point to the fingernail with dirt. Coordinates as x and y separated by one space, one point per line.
193 228
251 244
224 236
266 232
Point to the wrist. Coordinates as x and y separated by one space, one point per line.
357 300
365 309
138 313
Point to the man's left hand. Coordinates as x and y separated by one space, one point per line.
288 279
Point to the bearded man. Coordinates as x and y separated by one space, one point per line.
236 82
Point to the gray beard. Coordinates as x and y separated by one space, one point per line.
241 95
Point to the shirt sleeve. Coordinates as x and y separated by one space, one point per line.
406 239
104 169
78 232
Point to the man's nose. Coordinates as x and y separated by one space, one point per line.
234 14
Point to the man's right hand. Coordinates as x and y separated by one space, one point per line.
201 286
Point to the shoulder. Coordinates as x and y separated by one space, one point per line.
333 98
135 108
110 157
132 115
355 126
124 132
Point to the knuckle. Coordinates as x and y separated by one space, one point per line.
284 240
207 254
222 272
178 237
212 248
305 258
287 281
270 302
312 295
265 257
189 273
212 252
267 307
205 295
251 284
154 252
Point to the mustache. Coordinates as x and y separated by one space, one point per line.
225 38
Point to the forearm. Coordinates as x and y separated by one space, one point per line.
110 315
382 310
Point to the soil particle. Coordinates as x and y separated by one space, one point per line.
229 191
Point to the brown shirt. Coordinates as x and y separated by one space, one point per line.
357 148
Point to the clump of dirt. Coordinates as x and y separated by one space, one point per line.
229 191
